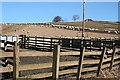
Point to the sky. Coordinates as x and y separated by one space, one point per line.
28 12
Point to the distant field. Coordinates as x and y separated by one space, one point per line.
38 29
94 24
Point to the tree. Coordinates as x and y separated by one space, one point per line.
57 19
75 17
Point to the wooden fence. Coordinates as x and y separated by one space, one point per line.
7 40
46 43
100 61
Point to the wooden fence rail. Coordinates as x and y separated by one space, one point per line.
46 43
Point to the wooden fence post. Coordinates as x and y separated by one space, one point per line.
70 43
80 62
24 41
43 44
16 61
101 61
91 44
21 41
12 38
28 41
5 45
112 58
56 58
6 38
51 45
82 42
101 44
35 42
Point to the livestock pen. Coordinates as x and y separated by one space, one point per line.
59 57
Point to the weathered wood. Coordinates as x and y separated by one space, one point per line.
44 75
35 66
5 46
10 68
56 58
101 61
9 42
35 42
16 61
28 42
91 43
99 43
70 43
67 63
37 53
82 49
43 44
36 76
24 39
51 45
48 65
21 40
112 58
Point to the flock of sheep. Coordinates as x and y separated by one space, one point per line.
87 29
71 27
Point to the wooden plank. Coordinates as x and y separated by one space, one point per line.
47 65
6 54
43 75
80 62
6 69
70 63
56 58
37 53
9 42
101 61
9 60
35 66
112 58
89 76
16 61
75 70
108 64
93 53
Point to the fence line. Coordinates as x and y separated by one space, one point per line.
104 62
56 64
46 44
